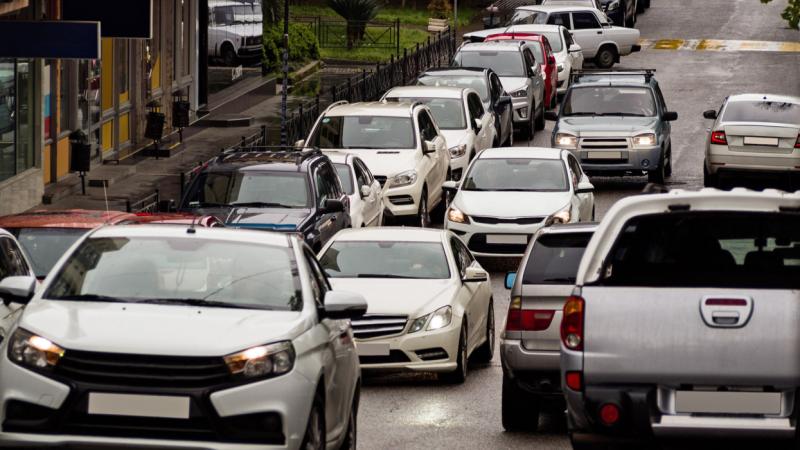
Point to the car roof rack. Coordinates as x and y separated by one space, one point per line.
274 153
646 73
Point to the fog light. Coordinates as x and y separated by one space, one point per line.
645 163
609 414
523 112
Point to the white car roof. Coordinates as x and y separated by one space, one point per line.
215 3
426 92
492 46
521 153
764 97
391 234
3 232
557 8
224 234
394 109
534 28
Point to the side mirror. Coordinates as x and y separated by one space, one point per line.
475 275
670 116
574 48
344 305
333 205
428 147
478 124
450 186
511 277
17 289
535 69
584 188
710 114
300 144
365 191
550 115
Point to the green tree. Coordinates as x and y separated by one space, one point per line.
357 13
791 14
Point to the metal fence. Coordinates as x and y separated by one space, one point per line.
336 33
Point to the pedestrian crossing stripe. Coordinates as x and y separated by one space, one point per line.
717 45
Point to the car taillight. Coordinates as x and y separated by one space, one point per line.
718 137
797 142
527 319
574 380
572 323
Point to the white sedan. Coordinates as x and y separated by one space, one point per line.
361 187
508 194
755 133
429 301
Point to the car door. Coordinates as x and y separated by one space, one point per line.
438 162
504 113
372 202
475 295
327 222
12 264
537 82
576 58
552 67
586 199
484 136
587 31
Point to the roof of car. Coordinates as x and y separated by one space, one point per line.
426 92
391 234
279 161
515 35
615 78
492 46
394 109
569 2
455 71
557 8
522 152
69 218
215 233
534 28
764 97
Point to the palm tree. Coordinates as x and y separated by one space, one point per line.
357 13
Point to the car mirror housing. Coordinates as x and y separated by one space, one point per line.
574 48
364 191
511 277
584 188
450 186
333 205
550 115
670 116
475 275
503 100
17 289
428 147
710 114
477 123
344 305
551 60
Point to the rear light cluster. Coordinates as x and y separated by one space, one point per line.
527 319
719 138
572 323
609 414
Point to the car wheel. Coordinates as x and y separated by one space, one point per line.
539 120
520 409
314 438
459 375
485 352
229 57
709 180
424 215
668 168
605 57
658 175
351 438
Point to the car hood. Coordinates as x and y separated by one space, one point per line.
280 219
157 329
625 125
387 162
455 137
413 298
511 204
511 84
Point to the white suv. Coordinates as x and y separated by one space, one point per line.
181 337
401 145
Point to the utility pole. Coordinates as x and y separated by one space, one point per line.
285 84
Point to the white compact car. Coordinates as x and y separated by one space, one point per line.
430 302
400 143
569 55
756 133
508 194
364 191
181 337
459 113
13 263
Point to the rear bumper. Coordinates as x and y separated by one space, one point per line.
536 372
720 159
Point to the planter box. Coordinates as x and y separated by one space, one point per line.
437 25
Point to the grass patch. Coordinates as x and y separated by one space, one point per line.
407 16
408 39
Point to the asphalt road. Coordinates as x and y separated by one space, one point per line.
415 411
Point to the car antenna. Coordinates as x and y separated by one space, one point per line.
105 196
191 229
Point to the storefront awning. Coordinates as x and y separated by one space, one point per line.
50 39
119 19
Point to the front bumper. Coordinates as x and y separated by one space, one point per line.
458 165
403 200
249 51
630 159
721 159
475 235
522 110
406 350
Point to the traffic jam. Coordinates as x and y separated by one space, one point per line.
422 240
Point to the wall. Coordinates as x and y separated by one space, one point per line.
21 192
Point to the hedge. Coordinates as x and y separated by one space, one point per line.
303 44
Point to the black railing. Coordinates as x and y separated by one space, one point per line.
337 33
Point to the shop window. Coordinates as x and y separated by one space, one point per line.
16 117
122 68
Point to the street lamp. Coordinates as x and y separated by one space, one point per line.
285 84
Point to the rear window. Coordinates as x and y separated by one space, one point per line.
707 249
555 258
771 112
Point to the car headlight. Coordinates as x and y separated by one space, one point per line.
35 352
440 318
644 140
455 215
418 323
564 140
458 150
613 5
404 178
563 216
520 93
262 361
560 68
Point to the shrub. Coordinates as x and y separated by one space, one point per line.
303 45
357 13
440 9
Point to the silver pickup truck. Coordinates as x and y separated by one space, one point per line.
684 321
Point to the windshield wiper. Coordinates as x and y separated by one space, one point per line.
93 298
200 302
382 275
262 205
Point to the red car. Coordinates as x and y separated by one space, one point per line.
175 219
543 54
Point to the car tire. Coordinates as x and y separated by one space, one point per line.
605 57
351 438
520 409
423 214
526 131
485 352
668 167
314 438
229 57
539 121
459 375
658 175
709 180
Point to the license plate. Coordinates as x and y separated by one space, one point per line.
506 239
728 402
372 349
604 155
752 140
165 406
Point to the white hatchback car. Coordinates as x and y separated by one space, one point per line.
569 55
757 133
181 337
401 145
364 191
508 194
459 113
430 302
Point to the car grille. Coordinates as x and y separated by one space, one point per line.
394 356
372 326
118 369
381 179
401 200
477 243
604 143
514 220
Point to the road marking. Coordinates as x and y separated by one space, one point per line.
718 45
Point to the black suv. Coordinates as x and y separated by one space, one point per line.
291 191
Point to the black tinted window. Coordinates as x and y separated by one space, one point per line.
585 20
775 112
555 258
559 19
756 250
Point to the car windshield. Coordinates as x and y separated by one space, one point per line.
45 246
477 82
555 258
277 189
385 259
364 132
505 64
609 101
516 174
448 112
189 270
762 111
526 17
346 178
237 14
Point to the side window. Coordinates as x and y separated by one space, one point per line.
322 185
559 19
319 284
497 85
530 61
11 261
426 128
576 170
362 176
567 38
475 105
334 185
660 98
585 21
462 256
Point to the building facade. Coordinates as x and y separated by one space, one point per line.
43 101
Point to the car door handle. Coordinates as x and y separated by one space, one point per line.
599 32
725 318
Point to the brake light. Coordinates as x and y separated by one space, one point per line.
609 414
572 323
718 137
726 302
527 319
574 380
